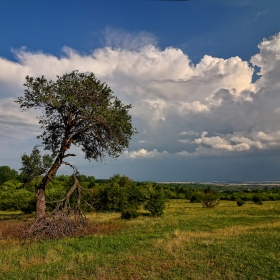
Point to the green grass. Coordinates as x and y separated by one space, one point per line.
188 242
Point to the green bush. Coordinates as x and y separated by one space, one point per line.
257 198
17 200
209 198
156 203
119 194
240 202
196 197
129 213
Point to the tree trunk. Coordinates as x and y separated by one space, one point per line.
40 204
40 190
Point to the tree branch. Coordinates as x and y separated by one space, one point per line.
69 155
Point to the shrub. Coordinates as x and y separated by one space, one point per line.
240 202
233 197
29 208
257 198
156 203
209 200
17 200
113 198
119 194
197 197
129 213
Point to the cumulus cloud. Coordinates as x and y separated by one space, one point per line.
186 154
220 143
210 108
143 153
237 142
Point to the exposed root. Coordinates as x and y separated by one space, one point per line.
63 221
57 225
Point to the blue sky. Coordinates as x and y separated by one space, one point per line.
202 77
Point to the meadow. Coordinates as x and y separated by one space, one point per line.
187 242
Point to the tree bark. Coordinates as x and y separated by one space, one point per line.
40 197
40 204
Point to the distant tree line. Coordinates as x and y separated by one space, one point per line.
119 193
194 191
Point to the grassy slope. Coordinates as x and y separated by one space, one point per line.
189 242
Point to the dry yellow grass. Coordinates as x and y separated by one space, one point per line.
179 240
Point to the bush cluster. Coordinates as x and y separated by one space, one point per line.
13 197
120 194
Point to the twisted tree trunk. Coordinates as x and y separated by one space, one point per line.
40 196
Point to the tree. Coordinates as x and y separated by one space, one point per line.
209 198
156 202
77 109
6 174
34 165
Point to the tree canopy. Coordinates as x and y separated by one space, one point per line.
79 109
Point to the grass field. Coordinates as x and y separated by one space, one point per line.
188 242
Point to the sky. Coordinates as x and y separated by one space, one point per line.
202 77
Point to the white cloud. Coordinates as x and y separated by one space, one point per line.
184 140
237 143
195 107
188 133
143 153
171 97
186 154
216 142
